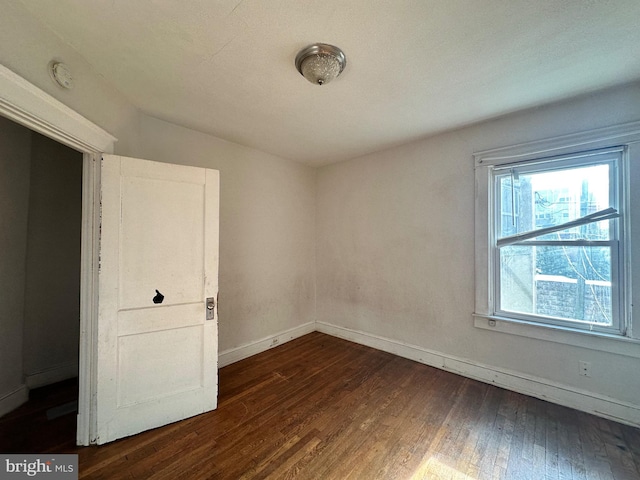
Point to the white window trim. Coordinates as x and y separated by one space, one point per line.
626 135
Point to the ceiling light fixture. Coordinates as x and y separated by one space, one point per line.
320 63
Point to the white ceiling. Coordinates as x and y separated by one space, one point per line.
414 67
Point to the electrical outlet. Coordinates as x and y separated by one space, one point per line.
584 368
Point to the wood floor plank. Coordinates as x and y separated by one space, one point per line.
323 408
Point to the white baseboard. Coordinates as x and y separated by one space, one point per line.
13 399
544 389
51 375
245 351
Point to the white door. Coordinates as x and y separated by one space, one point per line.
157 350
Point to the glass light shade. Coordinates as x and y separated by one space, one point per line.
320 63
320 69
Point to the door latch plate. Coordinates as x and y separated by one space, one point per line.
211 308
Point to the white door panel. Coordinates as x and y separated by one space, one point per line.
150 238
157 360
146 372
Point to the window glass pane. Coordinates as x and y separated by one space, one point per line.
568 283
517 274
544 198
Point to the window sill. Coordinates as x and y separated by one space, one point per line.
592 340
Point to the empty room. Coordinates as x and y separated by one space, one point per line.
320 239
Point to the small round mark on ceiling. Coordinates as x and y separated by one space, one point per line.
61 74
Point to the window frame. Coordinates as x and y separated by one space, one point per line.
615 158
626 136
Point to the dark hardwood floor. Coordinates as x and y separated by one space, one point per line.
30 430
324 408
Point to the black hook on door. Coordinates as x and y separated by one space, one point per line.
158 298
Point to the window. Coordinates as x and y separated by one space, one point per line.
556 247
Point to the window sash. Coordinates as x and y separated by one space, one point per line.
616 326
606 214
613 157
581 158
565 243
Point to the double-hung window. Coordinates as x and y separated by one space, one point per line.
557 247
557 235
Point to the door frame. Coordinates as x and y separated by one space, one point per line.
28 105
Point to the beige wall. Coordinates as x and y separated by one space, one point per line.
267 231
52 292
28 47
395 246
15 151
267 204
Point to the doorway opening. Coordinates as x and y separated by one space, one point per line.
42 225
33 108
